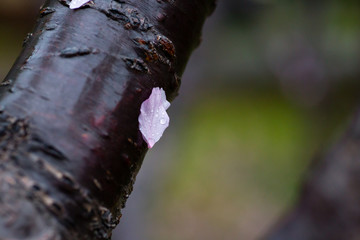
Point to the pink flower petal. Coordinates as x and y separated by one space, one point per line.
77 3
153 119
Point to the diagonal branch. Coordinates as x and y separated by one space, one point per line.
69 136
329 205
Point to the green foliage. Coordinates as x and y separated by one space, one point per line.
240 158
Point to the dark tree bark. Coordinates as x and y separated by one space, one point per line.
329 204
69 136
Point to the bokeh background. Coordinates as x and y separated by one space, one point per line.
272 85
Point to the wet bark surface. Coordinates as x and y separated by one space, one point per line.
69 137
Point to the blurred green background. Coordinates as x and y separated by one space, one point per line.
272 85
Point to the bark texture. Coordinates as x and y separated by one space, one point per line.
329 204
69 137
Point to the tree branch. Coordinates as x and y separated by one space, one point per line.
69 137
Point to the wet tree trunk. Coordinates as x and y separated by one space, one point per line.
69 139
329 204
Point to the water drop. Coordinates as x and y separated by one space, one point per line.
162 121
